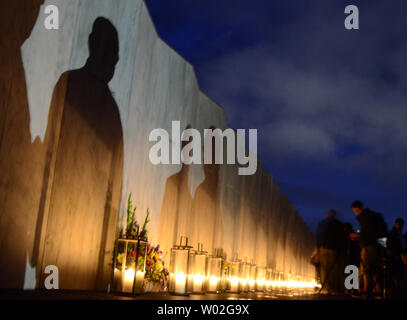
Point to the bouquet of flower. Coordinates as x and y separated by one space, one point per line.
155 271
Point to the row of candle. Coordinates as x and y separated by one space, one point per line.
196 272
199 283
268 280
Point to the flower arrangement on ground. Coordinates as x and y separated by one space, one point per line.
156 273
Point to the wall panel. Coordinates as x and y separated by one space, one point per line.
68 165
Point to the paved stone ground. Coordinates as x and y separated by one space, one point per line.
91 295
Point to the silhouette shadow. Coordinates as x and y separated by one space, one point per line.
184 215
20 178
84 171
204 213
175 207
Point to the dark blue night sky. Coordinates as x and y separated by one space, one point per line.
330 105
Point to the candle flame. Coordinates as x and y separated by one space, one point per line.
129 275
213 280
234 281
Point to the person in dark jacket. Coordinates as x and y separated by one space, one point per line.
352 256
395 247
372 228
331 244
352 252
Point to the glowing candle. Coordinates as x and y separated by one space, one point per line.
198 281
213 284
268 279
251 284
268 285
260 284
139 281
128 280
117 279
234 284
180 282
244 282
223 284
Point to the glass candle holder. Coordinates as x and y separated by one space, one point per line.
269 279
214 273
300 285
273 279
233 277
311 285
260 278
280 282
290 283
252 278
129 265
180 269
306 285
285 282
225 276
198 266
244 276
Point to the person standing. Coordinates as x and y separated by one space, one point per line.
331 246
352 246
395 247
372 228
352 253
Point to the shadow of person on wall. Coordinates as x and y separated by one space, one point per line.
17 19
84 173
175 207
204 214
20 177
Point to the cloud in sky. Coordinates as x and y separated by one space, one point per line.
320 89
330 105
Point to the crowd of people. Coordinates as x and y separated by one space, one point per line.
379 254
